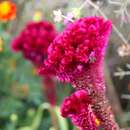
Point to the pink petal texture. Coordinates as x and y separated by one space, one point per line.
80 45
33 42
77 55
77 107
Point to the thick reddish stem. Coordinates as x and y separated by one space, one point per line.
49 89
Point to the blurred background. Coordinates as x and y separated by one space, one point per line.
23 102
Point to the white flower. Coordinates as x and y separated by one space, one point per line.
57 15
124 50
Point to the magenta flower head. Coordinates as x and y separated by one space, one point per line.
77 107
77 55
34 40
79 47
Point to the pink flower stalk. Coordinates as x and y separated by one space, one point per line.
77 107
77 56
33 42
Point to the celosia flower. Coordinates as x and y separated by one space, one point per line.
77 56
7 10
79 45
77 107
34 40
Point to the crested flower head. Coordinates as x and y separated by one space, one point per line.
81 45
34 40
7 10
77 107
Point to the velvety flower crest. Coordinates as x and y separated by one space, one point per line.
34 40
77 107
80 45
